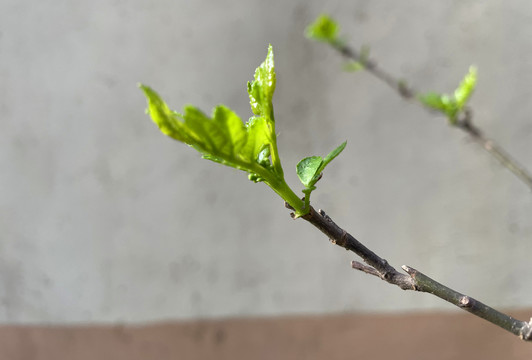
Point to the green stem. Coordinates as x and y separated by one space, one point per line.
307 198
284 191
276 159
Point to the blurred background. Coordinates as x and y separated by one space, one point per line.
112 231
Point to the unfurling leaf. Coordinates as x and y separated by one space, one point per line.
324 28
451 106
310 168
433 100
466 87
330 157
262 88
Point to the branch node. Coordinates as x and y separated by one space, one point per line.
526 333
466 302
404 90
387 276
408 270
288 206
324 215
343 240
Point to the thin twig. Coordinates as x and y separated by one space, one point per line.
424 283
365 268
414 280
465 123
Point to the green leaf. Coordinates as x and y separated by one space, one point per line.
441 102
466 87
167 120
330 157
308 169
260 92
262 88
433 100
451 106
222 138
324 28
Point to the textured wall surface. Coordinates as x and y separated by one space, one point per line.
102 218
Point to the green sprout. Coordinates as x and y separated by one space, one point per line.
324 29
309 170
452 105
225 139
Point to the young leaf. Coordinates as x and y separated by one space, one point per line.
262 88
433 100
260 92
466 87
324 28
166 119
310 168
330 157
452 105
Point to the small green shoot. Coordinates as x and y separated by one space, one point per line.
466 87
452 105
323 29
309 170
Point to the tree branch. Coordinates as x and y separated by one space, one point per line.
464 123
413 280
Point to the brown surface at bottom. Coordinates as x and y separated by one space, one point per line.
394 337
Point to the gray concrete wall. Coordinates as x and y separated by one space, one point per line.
102 218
